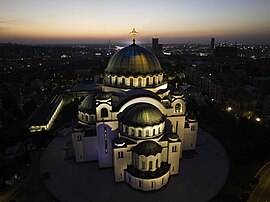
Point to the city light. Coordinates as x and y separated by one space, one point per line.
258 119
229 109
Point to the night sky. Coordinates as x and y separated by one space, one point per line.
92 21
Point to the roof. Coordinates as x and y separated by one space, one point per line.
103 96
43 114
142 114
133 60
88 105
147 148
78 87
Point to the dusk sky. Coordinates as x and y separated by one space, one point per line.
89 21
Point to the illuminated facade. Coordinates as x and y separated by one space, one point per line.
135 123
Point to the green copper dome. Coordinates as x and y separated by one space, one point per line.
147 148
142 114
88 105
133 60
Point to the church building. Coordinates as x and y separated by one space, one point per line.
135 124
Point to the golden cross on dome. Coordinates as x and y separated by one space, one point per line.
133 33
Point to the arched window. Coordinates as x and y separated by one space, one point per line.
147 133
82 117
116 81
86 118
154 132
123 81
92 118
150 165
140 82
136 162
157 163
177 108
132 132
147 81
143 165
154 80
110 80
131 82
140 133
104 112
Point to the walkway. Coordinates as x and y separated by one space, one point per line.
261 192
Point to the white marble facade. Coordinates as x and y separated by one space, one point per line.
134 123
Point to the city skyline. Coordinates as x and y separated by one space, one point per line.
36 21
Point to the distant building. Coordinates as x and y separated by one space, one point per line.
227 51
44 116
37 84
262 82
212 47
212 43
135 123
156 47
1 110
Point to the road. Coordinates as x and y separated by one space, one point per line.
261 192
30 187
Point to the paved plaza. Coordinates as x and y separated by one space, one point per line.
202 175
261 191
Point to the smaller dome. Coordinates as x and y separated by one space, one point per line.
78 127
88 105
191 118
142 114
119 142
173 137
147 148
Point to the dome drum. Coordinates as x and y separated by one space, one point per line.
146 163
143 132
134 81
86 118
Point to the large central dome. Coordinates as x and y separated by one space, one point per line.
133 60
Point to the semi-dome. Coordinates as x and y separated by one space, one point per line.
147 148
88 105
133 60
142 114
